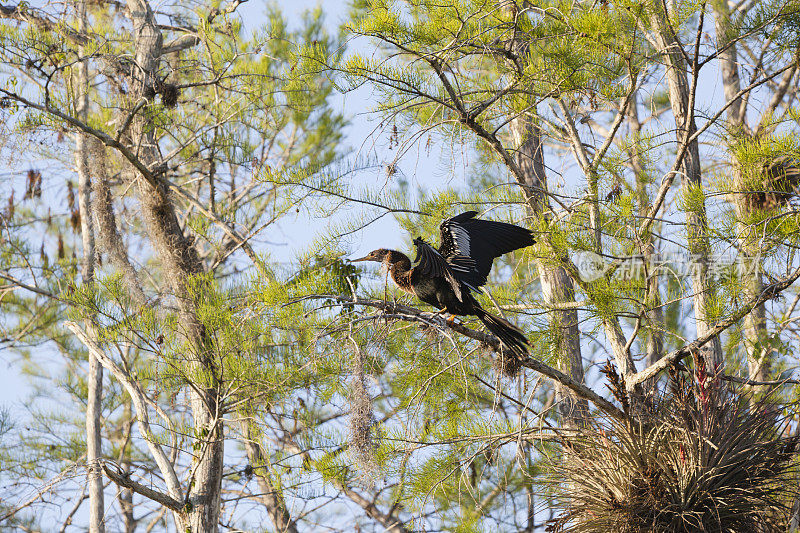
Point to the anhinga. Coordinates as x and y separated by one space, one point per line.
445 278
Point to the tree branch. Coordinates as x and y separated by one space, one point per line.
769 292
124 480
105 138
139 402
180 44
669 177
388 521
37 18
412 314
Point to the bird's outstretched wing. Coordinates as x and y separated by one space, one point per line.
430 263
474 243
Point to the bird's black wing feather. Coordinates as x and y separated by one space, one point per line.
466 238
453 241
431 263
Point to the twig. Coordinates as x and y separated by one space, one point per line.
744 381
41 492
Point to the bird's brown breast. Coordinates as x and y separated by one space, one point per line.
403 281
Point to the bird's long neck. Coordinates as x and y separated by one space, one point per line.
399 266
398 263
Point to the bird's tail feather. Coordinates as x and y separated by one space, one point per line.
514 343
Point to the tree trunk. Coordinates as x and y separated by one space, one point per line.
654 312
696 223
93 446
755 323
557 286
728 65
94 377
180 263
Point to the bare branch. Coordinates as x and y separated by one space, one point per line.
754 383
229 8
139 402
123 480
768 293
39 493
180 44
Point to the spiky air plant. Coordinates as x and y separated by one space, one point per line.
704 458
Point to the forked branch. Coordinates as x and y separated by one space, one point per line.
139 402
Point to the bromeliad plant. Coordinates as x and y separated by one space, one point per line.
704 457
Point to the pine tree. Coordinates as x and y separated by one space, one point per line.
176 127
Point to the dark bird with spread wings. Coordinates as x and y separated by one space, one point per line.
447 277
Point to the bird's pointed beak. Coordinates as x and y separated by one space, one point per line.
365 258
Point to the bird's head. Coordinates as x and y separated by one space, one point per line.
380 255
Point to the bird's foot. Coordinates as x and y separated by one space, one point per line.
448 318
440 316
